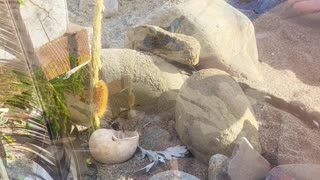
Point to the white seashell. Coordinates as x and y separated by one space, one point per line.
112 147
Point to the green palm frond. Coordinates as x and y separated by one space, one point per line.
27 123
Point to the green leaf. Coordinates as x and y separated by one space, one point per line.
22 2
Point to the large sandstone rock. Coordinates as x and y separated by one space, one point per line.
212 114
172 46
45 20
151 74
226 36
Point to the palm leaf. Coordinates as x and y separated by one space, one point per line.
28 119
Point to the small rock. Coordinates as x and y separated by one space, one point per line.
110 7
246 163
173 174
151 75
217 170
46 23
212 113
295 172
172 46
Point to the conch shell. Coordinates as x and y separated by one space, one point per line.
113 147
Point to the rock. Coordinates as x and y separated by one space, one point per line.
112 147
110 7
283 131
246 163
217 167
45 20
226 36
173 174
151 74
212 113
172 46
167 100
295 171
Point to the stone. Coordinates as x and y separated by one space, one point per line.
217 167
295 172
173 174
45 20
172 46
283 129
111 7
226 36
212 113
113 147
246 163
151 75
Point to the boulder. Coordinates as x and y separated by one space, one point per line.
172 46
226 36
213 113
45 20
246 163
151 75
173 174
295 171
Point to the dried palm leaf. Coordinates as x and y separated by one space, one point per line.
27 118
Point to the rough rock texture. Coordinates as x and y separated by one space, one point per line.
226 36
285 135
217 167
246 163
173 174
45 20
172 46
151 74
295 171
288 46
212 113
